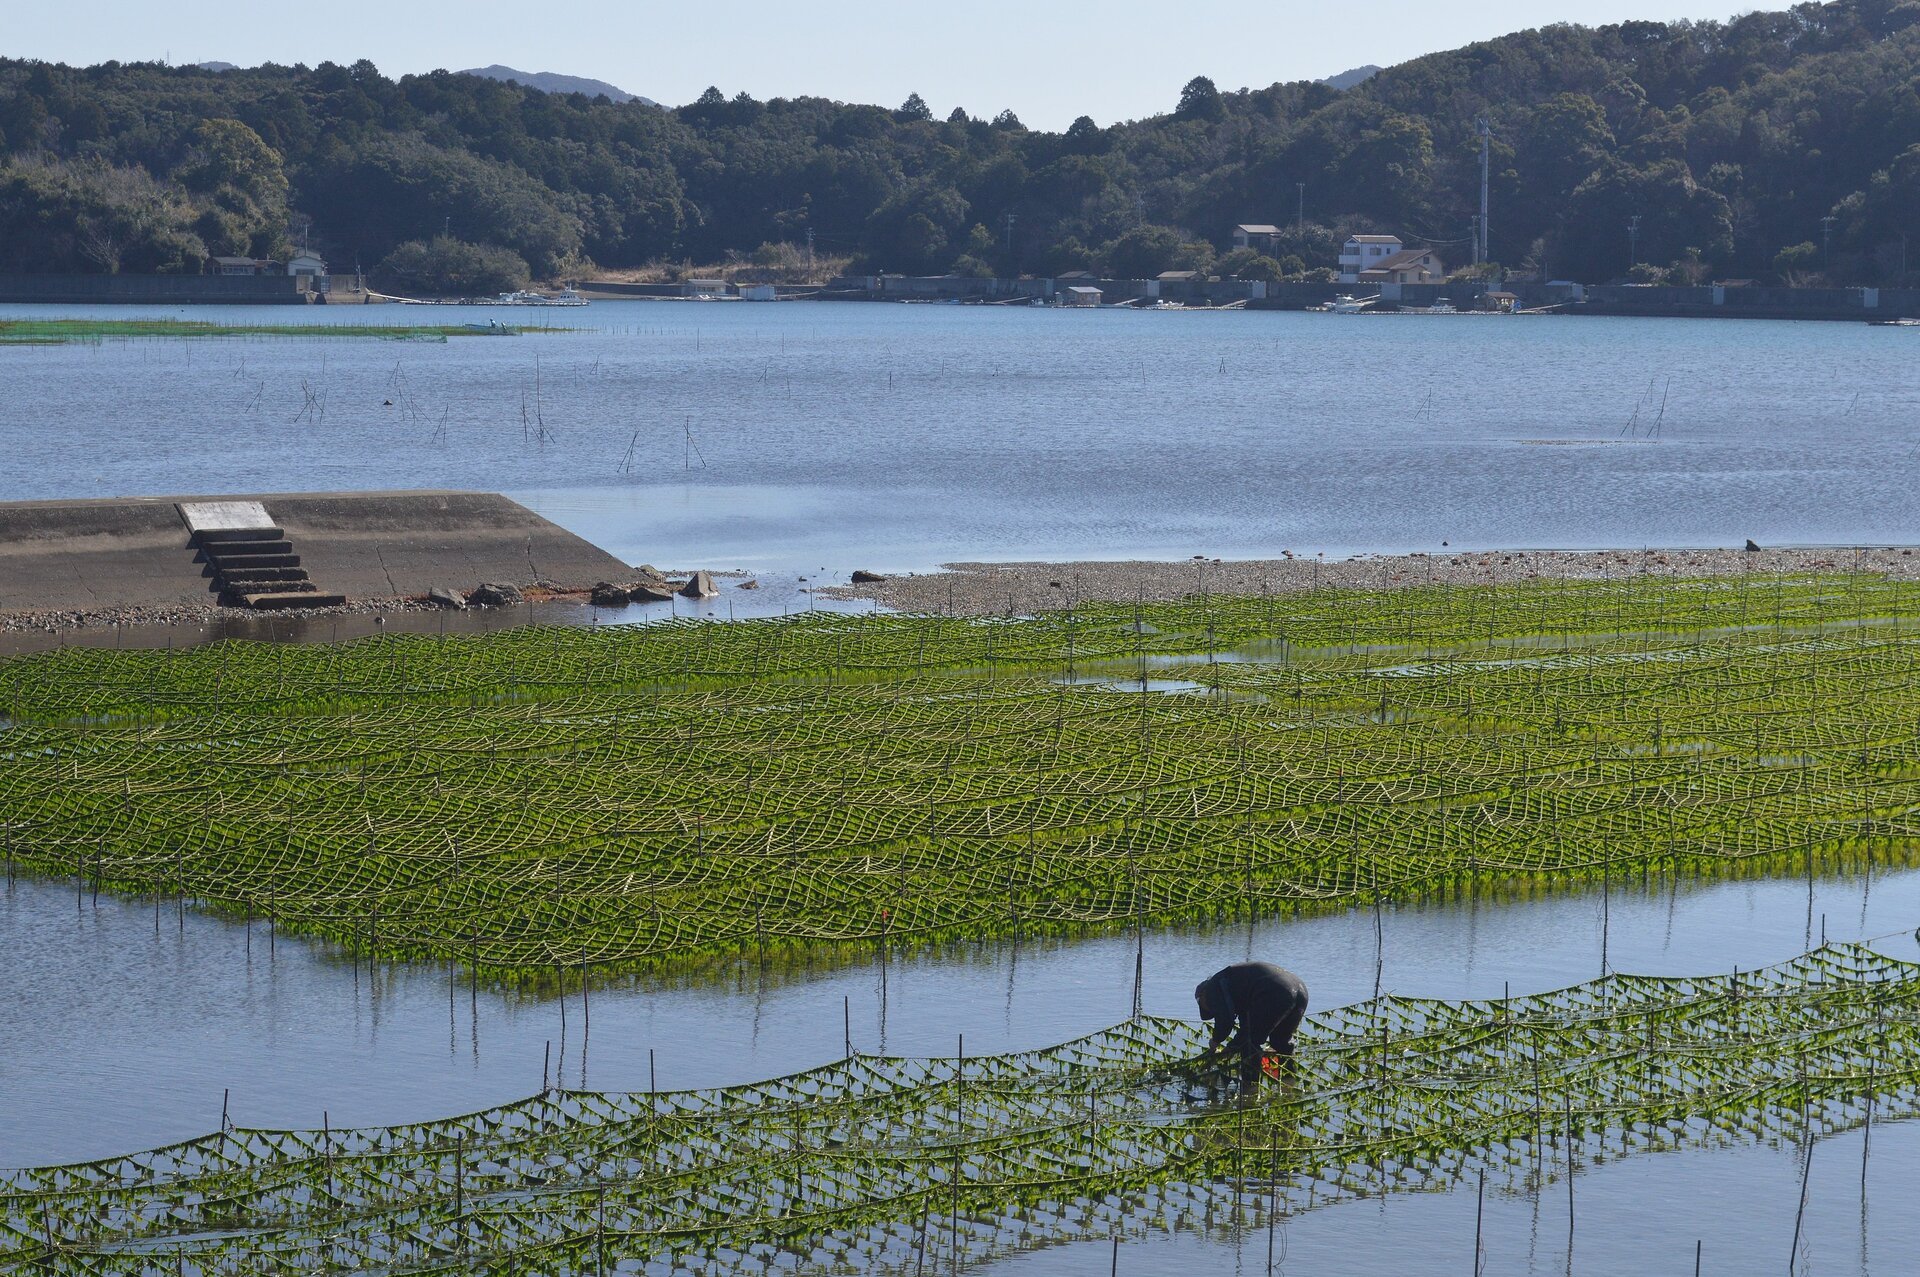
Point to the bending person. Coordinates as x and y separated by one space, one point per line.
1252 1005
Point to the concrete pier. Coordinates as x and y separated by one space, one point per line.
127 552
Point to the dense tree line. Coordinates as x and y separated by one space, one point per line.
1733 144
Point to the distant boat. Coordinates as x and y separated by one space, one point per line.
526 297
1441 307
1348 304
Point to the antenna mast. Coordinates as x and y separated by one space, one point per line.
1480 255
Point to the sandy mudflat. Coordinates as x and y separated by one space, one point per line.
997 589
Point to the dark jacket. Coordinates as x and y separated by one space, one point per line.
1252 1003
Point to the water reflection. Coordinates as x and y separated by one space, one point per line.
139 1018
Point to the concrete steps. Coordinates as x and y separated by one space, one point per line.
220 551
281 601
260 576
254 561
253 564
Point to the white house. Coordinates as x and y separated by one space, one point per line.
1365 252
1411 266
308 264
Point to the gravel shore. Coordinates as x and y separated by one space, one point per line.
1000 589
189 614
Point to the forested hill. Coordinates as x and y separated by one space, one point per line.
1730 141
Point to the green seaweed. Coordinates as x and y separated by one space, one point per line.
640 797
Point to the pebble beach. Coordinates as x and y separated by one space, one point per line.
1001 589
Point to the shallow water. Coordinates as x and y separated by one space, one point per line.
1641 1214
138 1018
815 436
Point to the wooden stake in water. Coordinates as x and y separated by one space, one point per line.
1139 972
1569 1181
1800 1215
1606 914
954 1218
1479 1218
1273 1202
1379 938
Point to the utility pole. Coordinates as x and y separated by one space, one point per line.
1300 210
1010 220
1826 241
809 254
1486 148
1633 240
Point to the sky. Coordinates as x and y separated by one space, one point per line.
1046 60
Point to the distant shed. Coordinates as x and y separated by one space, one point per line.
1079 295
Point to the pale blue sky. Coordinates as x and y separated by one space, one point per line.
1046 59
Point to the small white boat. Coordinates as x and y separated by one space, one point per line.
526 297
1348 304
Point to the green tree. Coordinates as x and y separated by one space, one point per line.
1797 261
244 187
1199 100
94 218
1143 252
449 267
1674 213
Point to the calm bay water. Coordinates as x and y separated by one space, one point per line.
793 439
138 1022
810 436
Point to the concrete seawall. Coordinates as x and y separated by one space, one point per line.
160 290
126 552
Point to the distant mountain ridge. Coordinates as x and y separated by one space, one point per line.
554 82
1349 79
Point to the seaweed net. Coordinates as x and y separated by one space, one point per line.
546 799
879 1164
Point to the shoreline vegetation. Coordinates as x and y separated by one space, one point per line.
550 799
